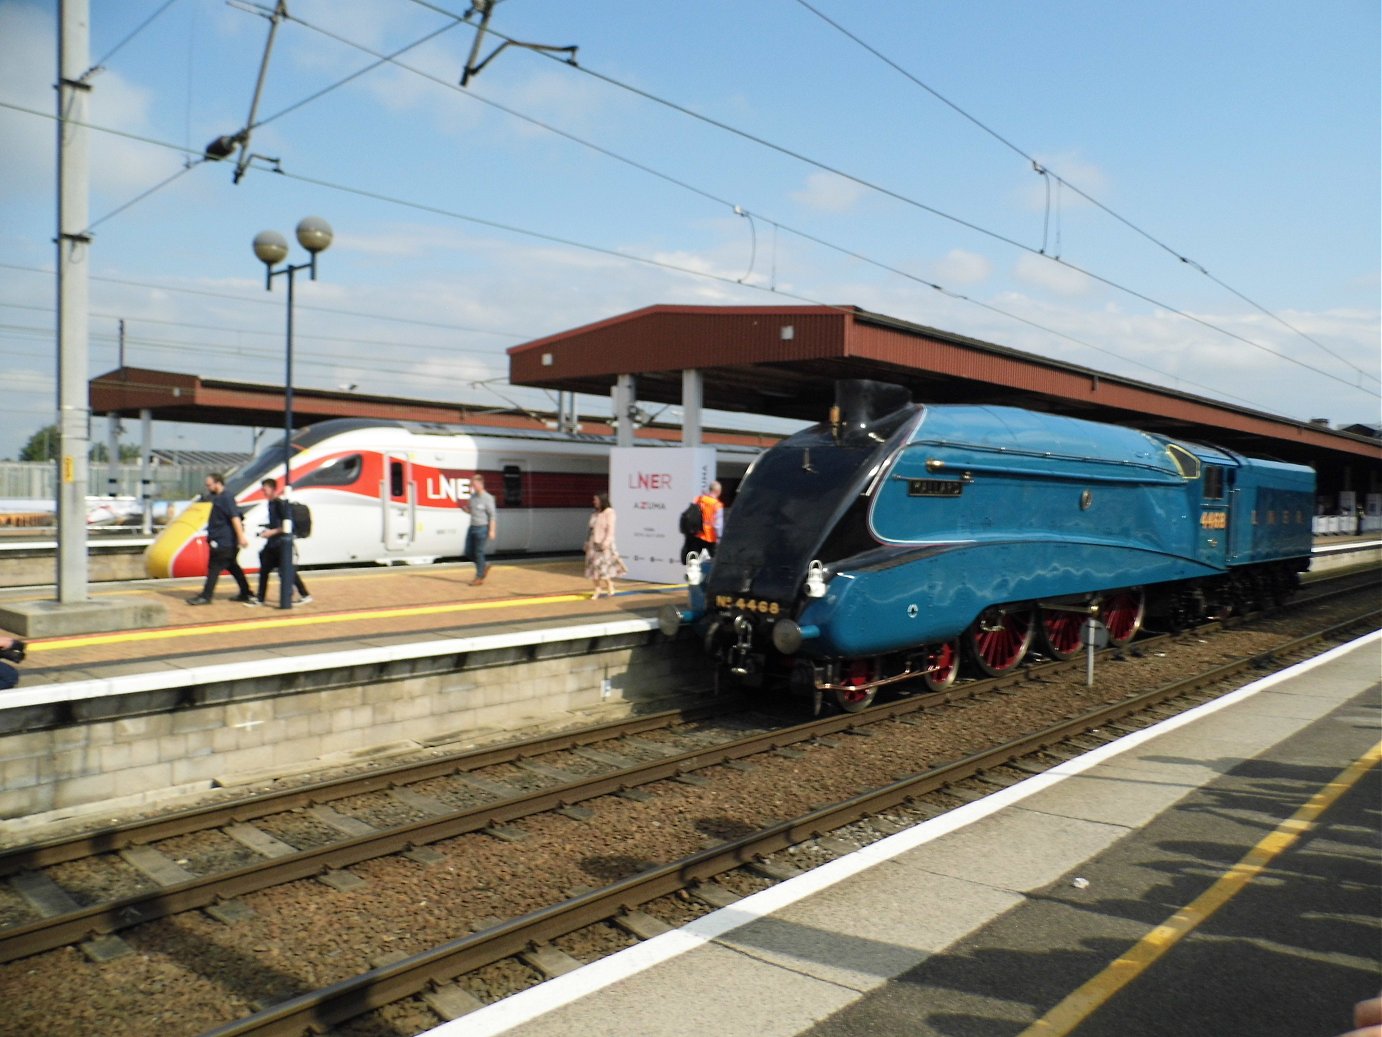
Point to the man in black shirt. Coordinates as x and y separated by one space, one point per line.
225 536
271 554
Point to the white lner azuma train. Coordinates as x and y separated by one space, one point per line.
393 491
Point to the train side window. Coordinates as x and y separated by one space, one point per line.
513 486
397 487
1186 462
1213 482
339 471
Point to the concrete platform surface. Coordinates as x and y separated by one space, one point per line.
1219 873
349 607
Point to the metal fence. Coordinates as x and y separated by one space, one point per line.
37 480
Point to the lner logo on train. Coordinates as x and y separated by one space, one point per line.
444 487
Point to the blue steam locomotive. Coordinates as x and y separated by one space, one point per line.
894 540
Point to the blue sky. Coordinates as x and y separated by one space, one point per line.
1244 137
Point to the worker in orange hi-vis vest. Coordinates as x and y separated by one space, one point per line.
713 516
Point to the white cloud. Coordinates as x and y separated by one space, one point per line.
126 167
960 266
27 72
828 193
1053 276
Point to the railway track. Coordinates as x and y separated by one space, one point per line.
609 759
219 892
961 780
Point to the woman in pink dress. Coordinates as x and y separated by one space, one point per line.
602 561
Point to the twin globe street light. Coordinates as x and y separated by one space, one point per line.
313 234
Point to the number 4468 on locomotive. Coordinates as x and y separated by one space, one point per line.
895 541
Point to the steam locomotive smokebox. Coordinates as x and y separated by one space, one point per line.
862 402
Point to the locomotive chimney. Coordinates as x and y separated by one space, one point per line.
859 402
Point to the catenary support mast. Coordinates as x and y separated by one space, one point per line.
74 253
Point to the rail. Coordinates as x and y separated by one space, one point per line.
381 986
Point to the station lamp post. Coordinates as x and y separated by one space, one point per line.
314 234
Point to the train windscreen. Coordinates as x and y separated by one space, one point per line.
265 462
789 504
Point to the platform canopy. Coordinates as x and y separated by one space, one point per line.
784 361
174 396
177 396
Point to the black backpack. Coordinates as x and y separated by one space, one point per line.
692 521
302 519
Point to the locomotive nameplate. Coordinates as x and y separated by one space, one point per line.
766 608
934 487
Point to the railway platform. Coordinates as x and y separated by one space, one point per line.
1218 873
384 660
352 606
348 607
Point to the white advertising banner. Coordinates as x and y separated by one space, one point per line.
649 489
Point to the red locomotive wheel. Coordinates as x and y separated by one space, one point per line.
1122 613
1060 633
856 693
1000 637
942 665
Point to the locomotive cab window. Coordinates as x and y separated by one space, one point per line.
340 471
397 485
1213 482
1186 463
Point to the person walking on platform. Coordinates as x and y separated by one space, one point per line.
483 527
271 554
602 561
712 523
225 536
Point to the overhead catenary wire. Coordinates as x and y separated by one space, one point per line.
950 217
381 59
1046 171
142 195
132 34
1006 313
695 272
260 301
739 210
266 332
699 273
462 367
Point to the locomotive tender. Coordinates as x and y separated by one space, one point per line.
896 538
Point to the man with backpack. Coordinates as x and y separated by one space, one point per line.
703 526
271 554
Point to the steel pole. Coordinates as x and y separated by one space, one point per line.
285 569
73 339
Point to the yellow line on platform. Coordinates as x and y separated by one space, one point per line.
279 622
1081 1004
